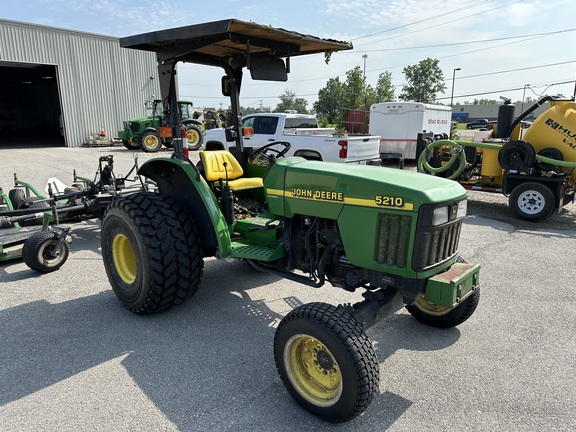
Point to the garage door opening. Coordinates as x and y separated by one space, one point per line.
30 113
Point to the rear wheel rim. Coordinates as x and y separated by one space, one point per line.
124 258
313 370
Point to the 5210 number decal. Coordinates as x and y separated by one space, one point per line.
389 201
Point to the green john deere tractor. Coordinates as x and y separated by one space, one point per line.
392 234
145 133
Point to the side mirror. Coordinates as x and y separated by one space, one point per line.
226 88
230 134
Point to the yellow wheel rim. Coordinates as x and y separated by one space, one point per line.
312 370
124 258
192 137
150 142
430 308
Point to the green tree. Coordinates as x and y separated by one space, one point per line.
354 89
423 81
289 101
384 88
329 99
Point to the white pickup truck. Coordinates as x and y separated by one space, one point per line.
306 138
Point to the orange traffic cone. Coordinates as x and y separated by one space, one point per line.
102 133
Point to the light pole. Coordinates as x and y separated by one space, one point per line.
523 95
453 79
364 57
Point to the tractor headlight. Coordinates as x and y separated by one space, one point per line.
462 209
445 214
439 216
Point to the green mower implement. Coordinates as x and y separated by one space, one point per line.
44 249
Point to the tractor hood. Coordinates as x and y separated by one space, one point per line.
298 186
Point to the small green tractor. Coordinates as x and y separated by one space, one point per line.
146 133
391 233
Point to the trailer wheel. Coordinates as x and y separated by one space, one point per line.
44 252
150 142
326 361
532 201
443 317
151 252
194 137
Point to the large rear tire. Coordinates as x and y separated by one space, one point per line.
151 252
326 362
44 252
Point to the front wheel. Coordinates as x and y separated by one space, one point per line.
150 142
151 252
130 144
326 362
194 137
532 201
45 252
443 317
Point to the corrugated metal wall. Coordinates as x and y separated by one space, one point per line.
100 83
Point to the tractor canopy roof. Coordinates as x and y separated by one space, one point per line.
221 41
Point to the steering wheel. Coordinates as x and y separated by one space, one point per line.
266 155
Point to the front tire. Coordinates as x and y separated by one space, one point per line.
44 252
130 144
151 252
443 317
194 137
326 362
150 142
532 201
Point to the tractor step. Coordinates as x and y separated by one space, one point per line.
248 250
259 230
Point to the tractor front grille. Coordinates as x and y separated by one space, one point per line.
135 127
436 245
393 240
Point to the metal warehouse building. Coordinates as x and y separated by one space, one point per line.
58 86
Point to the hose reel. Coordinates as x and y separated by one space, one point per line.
516 156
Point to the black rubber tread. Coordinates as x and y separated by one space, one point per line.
545 191
451 319
30 203
34 248
169 259
353 351
17 197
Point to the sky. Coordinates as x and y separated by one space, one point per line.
493 48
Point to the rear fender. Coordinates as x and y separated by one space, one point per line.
180 180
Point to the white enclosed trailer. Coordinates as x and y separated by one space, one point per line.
399 123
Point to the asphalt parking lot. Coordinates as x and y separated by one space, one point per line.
73 359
